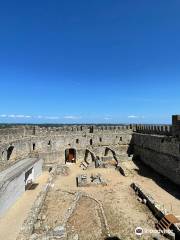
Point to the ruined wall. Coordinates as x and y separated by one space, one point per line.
162 153
156 145
50 143
12 181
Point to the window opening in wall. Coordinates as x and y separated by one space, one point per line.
91 142
100 139
49 143
120 139
34 146
77 141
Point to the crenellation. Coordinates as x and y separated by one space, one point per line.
36 138
154 129
153 143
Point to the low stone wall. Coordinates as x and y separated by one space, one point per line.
12 181
158 210
58 231
28 225
26 232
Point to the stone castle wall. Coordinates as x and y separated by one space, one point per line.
159 147
50 143
156 145
154 129
161 153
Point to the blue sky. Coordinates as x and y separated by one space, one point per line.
89 61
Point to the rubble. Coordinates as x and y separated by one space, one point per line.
86 181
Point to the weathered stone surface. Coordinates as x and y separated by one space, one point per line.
85 181
50 143
94 146
62 170
163 157
59 231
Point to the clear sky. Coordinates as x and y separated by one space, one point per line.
89 61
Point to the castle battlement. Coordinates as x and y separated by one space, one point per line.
154 129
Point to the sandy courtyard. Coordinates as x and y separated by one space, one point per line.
123 212
122 209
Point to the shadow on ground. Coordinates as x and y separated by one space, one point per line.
33 186
112 238
162 181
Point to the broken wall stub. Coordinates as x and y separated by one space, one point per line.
94 180
82 180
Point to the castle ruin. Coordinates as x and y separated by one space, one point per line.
26 151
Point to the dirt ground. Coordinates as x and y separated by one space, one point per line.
161 189
86 221
122 209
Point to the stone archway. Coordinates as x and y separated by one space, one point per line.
110 154
89 156
9 152
107 150
70 155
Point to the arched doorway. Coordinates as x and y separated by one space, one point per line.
9 152
70 155
110 156
89 156
109 151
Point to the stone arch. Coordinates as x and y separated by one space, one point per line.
89 156
9 152
107 150
112 152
